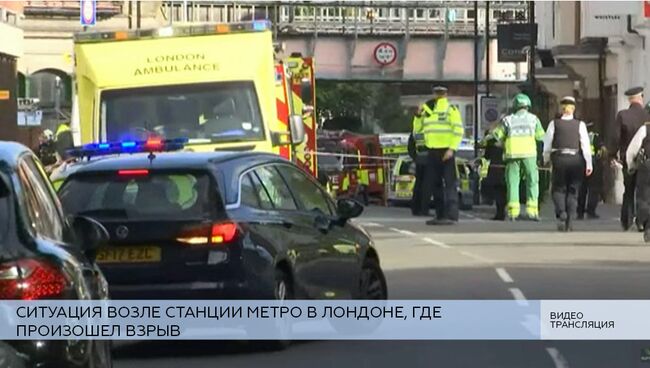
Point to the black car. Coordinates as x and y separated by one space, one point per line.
187 225
44 255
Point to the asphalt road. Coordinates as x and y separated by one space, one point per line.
476 259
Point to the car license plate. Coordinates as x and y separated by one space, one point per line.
128 255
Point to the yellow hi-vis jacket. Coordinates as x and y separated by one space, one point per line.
441 127
62 128
520 131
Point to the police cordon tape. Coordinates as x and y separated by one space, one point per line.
326 320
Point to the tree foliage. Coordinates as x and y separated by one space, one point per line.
361 106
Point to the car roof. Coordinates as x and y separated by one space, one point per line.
10 151
164 160
230 164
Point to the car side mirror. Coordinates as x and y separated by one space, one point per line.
348 208
89 234
297 129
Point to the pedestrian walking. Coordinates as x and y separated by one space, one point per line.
519 133
591 188
567 147
440 131
628 121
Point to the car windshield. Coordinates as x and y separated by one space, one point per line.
161 196
220 112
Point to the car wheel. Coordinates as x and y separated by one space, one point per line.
372 286
283 286
283 290
372 283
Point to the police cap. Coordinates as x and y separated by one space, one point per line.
568 100
634 91
439 89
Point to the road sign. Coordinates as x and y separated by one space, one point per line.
88 12
385 53
489 111
513 39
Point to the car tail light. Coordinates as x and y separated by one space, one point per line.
30 279
219 233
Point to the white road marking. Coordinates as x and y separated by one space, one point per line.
435 242
558 359
475 257
504 275
405 232
371 224
519 296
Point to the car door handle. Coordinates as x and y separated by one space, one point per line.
287 224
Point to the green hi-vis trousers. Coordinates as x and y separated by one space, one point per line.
514 168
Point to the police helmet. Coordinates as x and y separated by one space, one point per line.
521 100
47 134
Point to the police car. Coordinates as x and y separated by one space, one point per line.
192 225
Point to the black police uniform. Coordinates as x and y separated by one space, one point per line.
568 169
423 188
47 153
496 179
628 121
591 188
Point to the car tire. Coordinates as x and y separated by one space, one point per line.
372 282
282 290
372 286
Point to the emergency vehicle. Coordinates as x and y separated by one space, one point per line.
361 173
403 182
220 86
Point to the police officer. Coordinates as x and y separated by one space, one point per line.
519 133
590 189
418 152
627 123
440 130
567 146
46 150
637 160
63 141
495 179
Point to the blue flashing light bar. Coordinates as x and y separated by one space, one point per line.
260 25
116 148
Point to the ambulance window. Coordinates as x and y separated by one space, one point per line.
221 112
